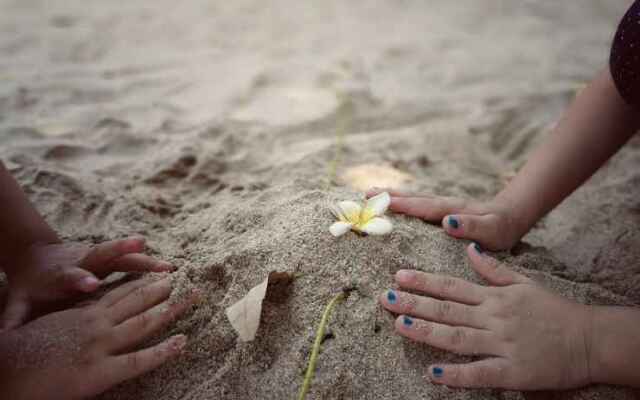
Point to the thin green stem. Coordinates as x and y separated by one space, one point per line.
311 368
343 118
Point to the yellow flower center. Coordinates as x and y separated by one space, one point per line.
359 220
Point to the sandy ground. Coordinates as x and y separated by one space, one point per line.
209 126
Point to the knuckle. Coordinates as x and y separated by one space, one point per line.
465 314
132 361
447 285
408 303
458 338
478 376
425 329
142 292
143 321
419 281
469 225
443 310
161 352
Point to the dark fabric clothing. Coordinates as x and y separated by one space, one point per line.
625 56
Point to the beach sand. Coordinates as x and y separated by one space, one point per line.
211 127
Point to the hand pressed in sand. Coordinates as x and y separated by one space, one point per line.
534 338
493 224
83 351
46 273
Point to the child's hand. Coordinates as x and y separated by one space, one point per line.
48 273
492 224
84 351
534 339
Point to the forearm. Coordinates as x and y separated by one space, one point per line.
20 223
595 126
614 346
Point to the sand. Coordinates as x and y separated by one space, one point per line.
209 128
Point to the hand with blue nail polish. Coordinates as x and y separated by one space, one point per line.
495 224
531 338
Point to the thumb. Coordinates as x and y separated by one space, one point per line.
16 311
473 227
78 279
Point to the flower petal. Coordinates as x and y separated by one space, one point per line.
378 226
340 228
337 212
350 210
378 204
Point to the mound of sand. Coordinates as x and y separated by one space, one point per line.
214 134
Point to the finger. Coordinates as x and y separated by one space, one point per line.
472 227
135 330
458 339
395 193
444 287
128 366
16 311
141 299
100 256
430 309
139 263
429 209
491 269
487 373
123 290
78 279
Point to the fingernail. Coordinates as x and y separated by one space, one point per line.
178 342
405 275
437 372
407 321
453 222
477 247
88 283
392 297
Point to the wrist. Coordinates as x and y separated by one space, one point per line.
614 346
592 356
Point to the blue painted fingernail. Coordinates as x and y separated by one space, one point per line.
477 247
407 321
392 297
453 222
438 372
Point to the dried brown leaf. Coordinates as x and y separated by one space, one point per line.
244 315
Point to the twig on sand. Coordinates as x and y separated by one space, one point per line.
311 368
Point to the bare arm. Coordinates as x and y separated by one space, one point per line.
615 346
20 223
595 126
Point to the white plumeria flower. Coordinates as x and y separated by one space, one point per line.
369 220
